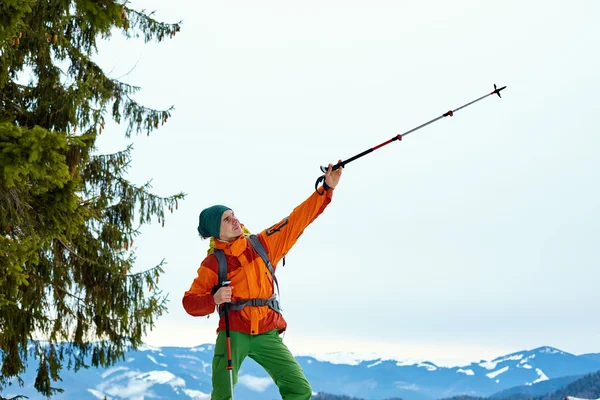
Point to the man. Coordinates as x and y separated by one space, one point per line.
254 330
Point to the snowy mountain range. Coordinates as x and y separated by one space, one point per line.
185 374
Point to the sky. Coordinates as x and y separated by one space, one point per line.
474 237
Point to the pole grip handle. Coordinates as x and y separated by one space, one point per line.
219 286
335 166
324 170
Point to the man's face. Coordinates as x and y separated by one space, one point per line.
230 227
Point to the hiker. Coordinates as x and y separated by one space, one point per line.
254 326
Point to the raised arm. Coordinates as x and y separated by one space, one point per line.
280 237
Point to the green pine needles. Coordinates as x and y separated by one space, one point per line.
68 217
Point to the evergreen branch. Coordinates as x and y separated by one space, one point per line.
13 206
14 103
155 269
119 155
68 293
131 70
140 117
151 28
71 251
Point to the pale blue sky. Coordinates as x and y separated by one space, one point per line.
473 237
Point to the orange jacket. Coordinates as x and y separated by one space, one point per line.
248 273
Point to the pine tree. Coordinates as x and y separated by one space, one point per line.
68 216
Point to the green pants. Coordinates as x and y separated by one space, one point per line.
269 351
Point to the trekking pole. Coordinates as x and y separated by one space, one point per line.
228 338
399 137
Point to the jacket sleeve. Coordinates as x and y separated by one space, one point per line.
280 237
198 301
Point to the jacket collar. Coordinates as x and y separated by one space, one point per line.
234 248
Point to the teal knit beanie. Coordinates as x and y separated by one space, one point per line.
210 221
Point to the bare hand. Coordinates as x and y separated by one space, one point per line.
223 295
332 178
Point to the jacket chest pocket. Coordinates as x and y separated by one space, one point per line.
239 281
268 277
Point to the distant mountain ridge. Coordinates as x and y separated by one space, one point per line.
586 387
185 373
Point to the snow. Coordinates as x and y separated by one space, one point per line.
407 386
428 366
113 370
490 365
136 385
162 377
344 358
196 394
525 360
421 364
156 362
349 358
187 357
466 371
147 347
576 398
205 367
494 374
201 348
374 364
372 358
131 388
542 377
255 383
99 395
550 350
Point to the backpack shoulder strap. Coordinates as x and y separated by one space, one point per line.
222 260
260 249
